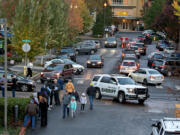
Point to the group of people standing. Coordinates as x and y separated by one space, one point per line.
43 101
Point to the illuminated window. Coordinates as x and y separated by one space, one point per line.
118 2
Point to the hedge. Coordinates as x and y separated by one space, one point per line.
21 102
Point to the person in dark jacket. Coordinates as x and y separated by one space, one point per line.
76 95
56 89
91 92
14 85
31 112
66 101
44 109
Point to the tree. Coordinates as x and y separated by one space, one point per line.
151 14
95 5
104 18
39 21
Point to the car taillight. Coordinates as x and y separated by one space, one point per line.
121 66
153 64
152 77
138 65
161 65
123 54
139 49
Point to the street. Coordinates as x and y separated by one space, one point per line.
110 117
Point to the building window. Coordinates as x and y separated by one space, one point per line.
117 2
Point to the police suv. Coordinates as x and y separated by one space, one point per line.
166 126
121 87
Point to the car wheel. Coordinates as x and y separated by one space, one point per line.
24 88
92 52
145 82
169 73
98 94
141 101
121 97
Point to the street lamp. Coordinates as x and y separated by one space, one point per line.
3 22
105 5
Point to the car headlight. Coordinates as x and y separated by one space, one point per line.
31 82
114 42
99 62
105 42
88 62
130 90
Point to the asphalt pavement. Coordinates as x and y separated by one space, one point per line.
110 117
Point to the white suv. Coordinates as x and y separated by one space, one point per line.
166 126
120 87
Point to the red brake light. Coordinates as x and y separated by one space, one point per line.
152 77
42 73
123 54
153 64
121 66
161 65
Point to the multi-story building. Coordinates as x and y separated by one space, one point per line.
127 13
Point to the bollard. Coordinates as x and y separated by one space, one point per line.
16 110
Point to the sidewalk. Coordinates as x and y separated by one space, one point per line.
20 68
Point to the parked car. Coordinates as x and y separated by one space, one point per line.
128 66
53 61
166 126
88 48
95 61
95 42
169 50
70 51
23 84
110 42
147 76
132 58
154 56
167 67
141 48
78 69
54 71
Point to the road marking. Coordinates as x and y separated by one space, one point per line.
80 82
159 87
177 87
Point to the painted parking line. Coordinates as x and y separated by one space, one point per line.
159 87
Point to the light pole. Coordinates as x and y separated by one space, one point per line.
3 21
105 5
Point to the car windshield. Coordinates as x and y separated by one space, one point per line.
153 72
63 57
158 62
126 81
170 48
139 45
67 61
55 67
129 51
111 39
128 63
95 57
68 50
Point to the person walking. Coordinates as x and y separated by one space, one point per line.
83 100
61 85
70 87
43 105
66 101
31 112
56 88
2 83
73 106
91 92
29 69
14 85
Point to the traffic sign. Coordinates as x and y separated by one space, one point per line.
26 41
26 47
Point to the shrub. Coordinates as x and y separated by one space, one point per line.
21 102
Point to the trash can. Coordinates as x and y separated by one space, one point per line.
16 110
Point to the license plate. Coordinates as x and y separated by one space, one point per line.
141 96
93 64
